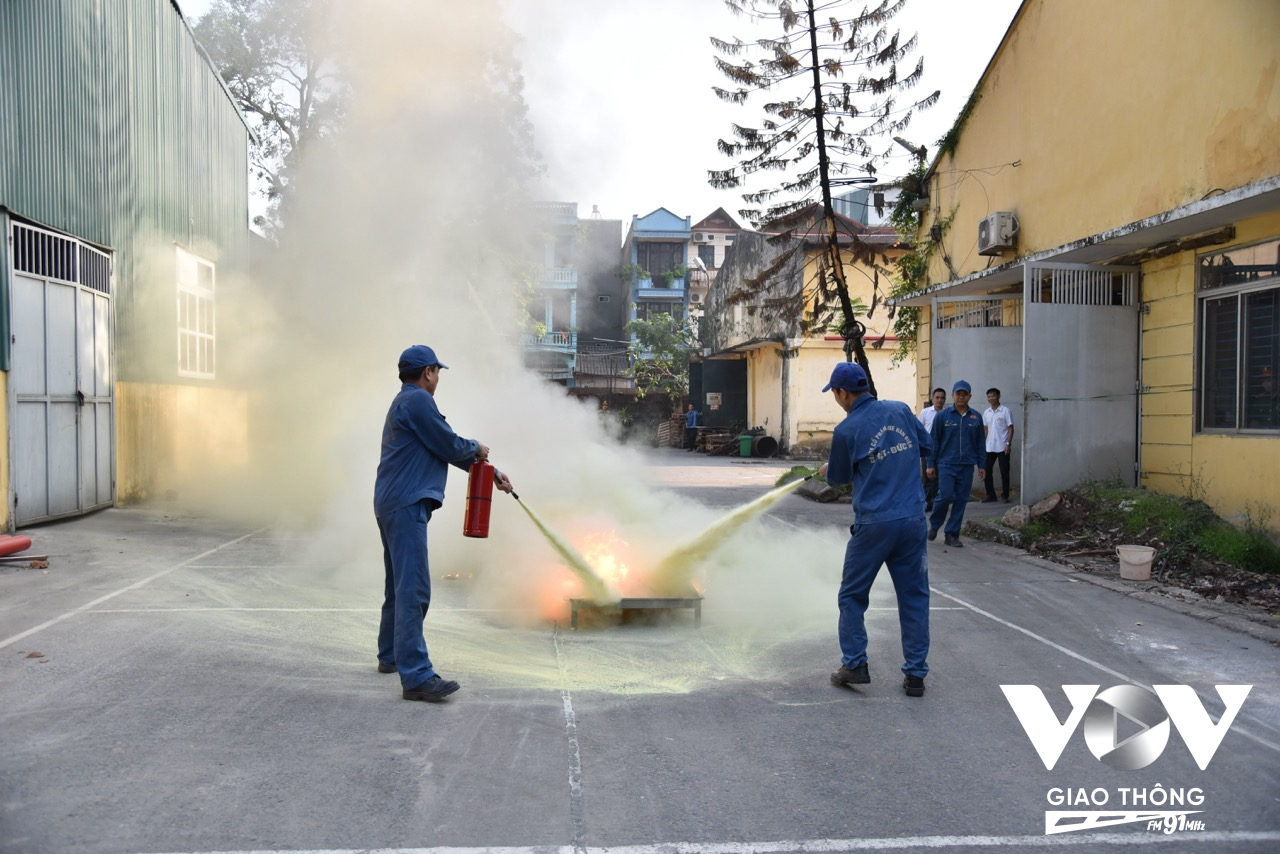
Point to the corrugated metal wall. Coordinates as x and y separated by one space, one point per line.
114 128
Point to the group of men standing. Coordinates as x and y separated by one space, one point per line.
963 440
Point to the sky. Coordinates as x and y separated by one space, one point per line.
620 96
620 93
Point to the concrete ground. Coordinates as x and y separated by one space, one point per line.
176 684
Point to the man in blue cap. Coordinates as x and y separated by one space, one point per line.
958 446
877 448
418 446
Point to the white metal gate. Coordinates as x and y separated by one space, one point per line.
1080 375
62 445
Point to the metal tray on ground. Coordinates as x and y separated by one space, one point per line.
638 603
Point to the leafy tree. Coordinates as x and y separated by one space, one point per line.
659 355
274 59
837 81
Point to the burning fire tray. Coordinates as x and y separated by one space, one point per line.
693 601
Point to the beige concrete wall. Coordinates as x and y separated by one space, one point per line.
178 441
764 390
812 414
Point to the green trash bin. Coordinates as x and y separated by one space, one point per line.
744 445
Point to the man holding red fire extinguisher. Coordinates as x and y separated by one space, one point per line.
418 446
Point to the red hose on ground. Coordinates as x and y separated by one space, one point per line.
11 545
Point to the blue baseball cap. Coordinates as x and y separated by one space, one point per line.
848 376
419 356
961 385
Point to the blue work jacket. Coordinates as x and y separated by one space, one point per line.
418 446
877 448
958 440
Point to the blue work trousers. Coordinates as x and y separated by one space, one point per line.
954 485
408 592
899 544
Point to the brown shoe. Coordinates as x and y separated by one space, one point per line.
846 676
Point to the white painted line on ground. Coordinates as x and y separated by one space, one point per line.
134 586
576 814
219 608
273 610
809 846
1235 727
261 566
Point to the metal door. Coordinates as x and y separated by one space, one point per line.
1080 375
63 450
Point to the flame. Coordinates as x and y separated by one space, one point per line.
601 551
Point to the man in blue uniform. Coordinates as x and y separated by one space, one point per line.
959 444
877 448
418 446
691 428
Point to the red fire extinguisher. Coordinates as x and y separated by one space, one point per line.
475 522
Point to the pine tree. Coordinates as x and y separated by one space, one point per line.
831 122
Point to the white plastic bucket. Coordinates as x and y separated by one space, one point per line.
1135 562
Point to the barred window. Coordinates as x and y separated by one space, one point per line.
1239 338
196 327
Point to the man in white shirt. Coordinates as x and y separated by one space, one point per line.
998 424
926 416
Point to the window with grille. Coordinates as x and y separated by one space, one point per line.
648 310
196 326
1239 338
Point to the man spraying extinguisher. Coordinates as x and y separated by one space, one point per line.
418 446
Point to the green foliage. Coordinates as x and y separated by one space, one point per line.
632 272
947 144
670 277
1036 529
1186 528
912 267
659 355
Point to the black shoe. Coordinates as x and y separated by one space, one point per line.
1006 499
913 685
385 667
954 541
933 534
991 500
434 690
851 676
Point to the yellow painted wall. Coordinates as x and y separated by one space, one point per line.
178 440
6 512
814 414
1113 112
1222 469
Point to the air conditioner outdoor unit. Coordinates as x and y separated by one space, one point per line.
698 237
997 233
